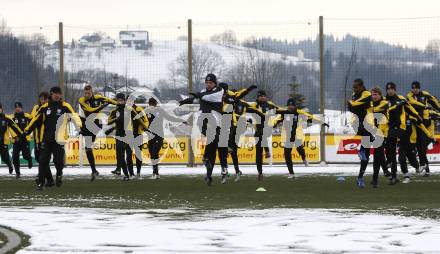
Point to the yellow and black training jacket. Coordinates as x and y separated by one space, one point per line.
412 124
8 129
140 124
121 126
233 104
37 129
381 120
421 103
398 108
53 118
293 118
93 105
240 108
22 120
262 107
360 104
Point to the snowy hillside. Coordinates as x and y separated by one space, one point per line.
151 65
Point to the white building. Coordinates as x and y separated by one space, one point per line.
136 39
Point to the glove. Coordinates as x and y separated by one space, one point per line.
252 88
107 132
326 125
186 101
196 95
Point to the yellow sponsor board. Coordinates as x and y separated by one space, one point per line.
177 151
246 154
173 151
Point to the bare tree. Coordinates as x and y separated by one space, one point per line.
168 91
227 38
239 74
258 68
204 61
72 92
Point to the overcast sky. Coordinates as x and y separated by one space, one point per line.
19 13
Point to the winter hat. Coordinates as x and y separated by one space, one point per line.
391 85
56 89
18 105
261 93
120 96
211 77
415 84
152 102
291 102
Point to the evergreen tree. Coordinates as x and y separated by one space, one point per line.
295 94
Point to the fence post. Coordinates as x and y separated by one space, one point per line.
190 55
190 87
321 89
61 49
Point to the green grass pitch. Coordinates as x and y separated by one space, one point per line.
420 198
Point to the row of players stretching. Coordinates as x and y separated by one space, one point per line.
406 123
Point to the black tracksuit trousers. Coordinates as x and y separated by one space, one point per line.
22 146
124 155
154 146
48 149
4 153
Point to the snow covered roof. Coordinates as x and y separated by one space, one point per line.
91 38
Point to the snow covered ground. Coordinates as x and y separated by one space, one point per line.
334 169
55 230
